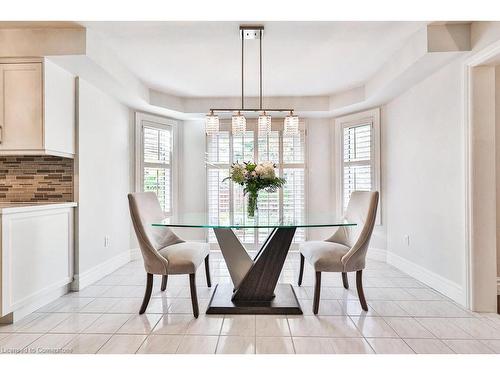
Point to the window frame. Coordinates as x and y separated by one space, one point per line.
372 117
162 123
276 125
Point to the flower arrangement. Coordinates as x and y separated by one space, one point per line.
255 177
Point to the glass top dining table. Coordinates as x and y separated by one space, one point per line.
202 220
255 288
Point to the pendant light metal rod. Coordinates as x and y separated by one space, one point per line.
260 68
251 32
242 69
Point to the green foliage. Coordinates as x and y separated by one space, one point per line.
254 177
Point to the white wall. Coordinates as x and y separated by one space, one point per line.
192 174
320 193
103 179
423 177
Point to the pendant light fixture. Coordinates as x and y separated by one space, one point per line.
291 124
238 120
238 124
264 124
212 124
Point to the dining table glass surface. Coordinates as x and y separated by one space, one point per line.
203 220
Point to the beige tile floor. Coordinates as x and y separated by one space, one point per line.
405 316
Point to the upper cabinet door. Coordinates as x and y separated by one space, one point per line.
21 106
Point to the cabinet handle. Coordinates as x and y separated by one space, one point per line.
1 134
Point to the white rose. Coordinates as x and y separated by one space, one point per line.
267 171
259 169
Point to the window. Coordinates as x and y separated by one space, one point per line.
226 199
154 149
359 155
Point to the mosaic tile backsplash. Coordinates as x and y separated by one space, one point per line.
36 179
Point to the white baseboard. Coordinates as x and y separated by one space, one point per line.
96 273
42 298
447 287
377 254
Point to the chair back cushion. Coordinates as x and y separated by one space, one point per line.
145 210
362 210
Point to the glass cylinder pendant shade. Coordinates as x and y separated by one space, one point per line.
239 123
291 125
264 124
211 124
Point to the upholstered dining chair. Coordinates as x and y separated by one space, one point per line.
345 251
162 251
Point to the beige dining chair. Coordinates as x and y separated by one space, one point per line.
162 251
345 251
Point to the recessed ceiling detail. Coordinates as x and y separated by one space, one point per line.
106 66
197 59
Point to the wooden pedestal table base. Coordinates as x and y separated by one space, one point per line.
255 288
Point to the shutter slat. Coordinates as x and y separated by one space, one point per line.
157 174
357 155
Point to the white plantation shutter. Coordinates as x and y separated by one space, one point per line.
294 198
293 170
219 199
218 149
157 162
357 156
219 194
269 147
268 204
226 200
358 136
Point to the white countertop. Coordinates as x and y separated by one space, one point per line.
6 207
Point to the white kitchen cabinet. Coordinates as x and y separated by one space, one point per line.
36 255
37 109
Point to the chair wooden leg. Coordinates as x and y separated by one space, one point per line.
345 281
164 280
207 271
194 298
301 270
359 286
147 294
317 290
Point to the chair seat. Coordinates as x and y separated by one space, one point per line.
184 257
324 256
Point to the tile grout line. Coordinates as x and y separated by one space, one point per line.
255 335
218 336
112 334
448 346
104 343
142 342
50 331
370 345
291 336
183 337
412 318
